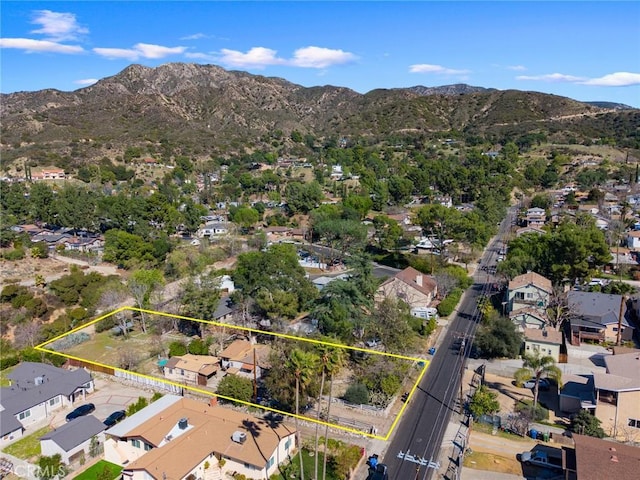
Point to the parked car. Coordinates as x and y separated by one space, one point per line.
380 472
543 384
114 418
81 411
547 459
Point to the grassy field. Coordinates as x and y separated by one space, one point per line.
94 471
493 463
27 447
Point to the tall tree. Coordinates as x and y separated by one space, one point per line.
538 366
303 366
142 284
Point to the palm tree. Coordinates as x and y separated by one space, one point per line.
327 363
537 366
336 360
302 365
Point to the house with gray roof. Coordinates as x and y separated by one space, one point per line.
73 440
595 316
36 392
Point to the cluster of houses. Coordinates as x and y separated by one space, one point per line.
612 395
173 437
244 358
86 242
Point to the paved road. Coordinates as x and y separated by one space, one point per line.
418 437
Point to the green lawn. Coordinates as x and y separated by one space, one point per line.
27 447
4 381
92 472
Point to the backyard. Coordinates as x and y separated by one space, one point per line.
102 470
27 448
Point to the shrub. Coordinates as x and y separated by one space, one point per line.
6 362
357 394
526 407
13 255
446 307
177 349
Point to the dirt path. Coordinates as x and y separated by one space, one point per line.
483 442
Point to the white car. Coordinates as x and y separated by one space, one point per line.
543 384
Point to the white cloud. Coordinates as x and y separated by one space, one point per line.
517 68
139 50
113 53
618 79
195 36
307 57
318 57
30 45
202 56
552 77
57 26
437 69
157 51
257 57
86 81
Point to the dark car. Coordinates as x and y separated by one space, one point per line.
114 418
82 410
380 473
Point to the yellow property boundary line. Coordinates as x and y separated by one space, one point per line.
42 347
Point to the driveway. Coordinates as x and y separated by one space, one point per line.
108 397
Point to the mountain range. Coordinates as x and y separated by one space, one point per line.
205 110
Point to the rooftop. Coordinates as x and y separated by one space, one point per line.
209 431
624 365
74 433
543 335
597 459
531 278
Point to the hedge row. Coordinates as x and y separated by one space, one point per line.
446 306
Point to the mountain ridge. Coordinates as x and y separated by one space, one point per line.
206 107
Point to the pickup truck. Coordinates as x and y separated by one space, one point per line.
541 459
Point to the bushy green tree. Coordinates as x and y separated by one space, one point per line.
236 387
498 338
484 402
357 393
177 349
585 423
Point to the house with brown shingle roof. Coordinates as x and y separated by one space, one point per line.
191 369
544 342
180 438
240 357
597 459
529 290
411 286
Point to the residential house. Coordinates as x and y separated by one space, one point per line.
224 311
529 318
336 172
36 392
529 290
536 217
277 233
546 342
620 415
182 438
411 286
50 173
321 282
191 369
241 356
73 439
633 240
83 244
213 229
597 459
595 316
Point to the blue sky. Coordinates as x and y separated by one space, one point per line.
583 50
